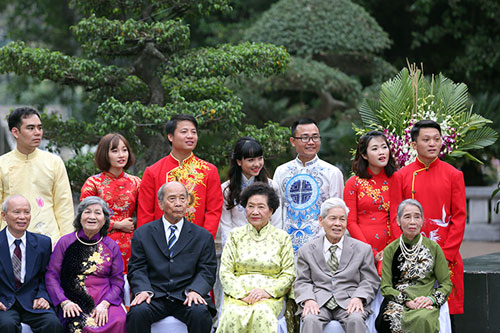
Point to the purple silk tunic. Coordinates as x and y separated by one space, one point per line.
87 274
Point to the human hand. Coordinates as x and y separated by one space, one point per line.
193 296
355 305
141 297
256 295
125 225
70 309
40 303
2 307
423 302
379 256
310 307
100 313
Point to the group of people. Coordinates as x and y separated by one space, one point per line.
283 238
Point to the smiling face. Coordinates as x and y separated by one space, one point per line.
306 151
377 154
118 156
18 216
411 221
92 220
258 211
29 135
251 166
428 144
334 224
184 138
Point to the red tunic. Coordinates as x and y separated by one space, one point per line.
120 193
202 182
440 189
368 202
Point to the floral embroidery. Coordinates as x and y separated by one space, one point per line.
367 188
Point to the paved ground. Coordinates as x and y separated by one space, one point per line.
474 249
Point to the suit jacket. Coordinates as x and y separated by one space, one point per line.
192 265
38 250
355 277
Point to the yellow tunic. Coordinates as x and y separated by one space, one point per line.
40 177
252 259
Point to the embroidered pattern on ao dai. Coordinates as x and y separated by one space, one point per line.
251 260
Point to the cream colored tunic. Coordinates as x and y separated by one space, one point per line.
40 177
252 259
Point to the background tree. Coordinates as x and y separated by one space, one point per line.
138 67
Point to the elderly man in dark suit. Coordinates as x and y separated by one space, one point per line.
24 257
172 267
336 276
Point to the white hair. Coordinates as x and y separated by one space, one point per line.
333 203
5 204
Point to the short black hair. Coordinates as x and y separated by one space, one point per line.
16 117
261 188
171 125
301 121
426 123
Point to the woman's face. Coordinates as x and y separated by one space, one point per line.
258 212
251 166
411 221
92 220
377 154
118 156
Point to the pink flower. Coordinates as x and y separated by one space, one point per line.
39 202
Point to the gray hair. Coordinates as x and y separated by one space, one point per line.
409 202
161 192
5 204
89 201
333 203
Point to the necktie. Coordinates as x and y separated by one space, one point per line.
172 238
333 263
16 263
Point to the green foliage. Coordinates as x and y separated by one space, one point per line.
308 27
79 169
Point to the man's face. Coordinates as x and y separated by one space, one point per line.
306 150
29 135
175 202
334 223
185 137
428 144
18 216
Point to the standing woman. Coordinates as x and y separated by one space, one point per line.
367 193
117 188
247 167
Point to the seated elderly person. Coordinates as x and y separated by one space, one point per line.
336 277
415 277
85 273
23 259
257 267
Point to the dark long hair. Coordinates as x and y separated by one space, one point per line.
245 147
360 165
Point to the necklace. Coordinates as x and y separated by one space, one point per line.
89 244
410 254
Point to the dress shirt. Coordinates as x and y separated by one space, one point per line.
22 246
167 224
326 249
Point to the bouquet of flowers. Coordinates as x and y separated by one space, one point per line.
410 97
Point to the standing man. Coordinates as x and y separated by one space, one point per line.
38 175
440 188
23 259
336 277
172 268
200 178
305 183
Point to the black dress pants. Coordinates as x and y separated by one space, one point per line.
45 322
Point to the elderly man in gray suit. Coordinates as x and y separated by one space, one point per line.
336 276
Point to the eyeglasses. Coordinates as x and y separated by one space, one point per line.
305 139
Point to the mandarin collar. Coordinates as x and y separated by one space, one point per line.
110 175
308 163
380 174
28 157
81 235
247 181
413 241
262 233
186 160
431 165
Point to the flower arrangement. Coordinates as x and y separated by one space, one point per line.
410 97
